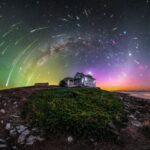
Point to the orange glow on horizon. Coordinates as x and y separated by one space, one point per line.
121 87
102 86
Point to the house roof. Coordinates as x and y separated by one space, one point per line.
68 78
89 76
78 73
83 75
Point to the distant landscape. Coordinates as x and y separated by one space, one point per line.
140 94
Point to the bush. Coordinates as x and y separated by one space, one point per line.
77 111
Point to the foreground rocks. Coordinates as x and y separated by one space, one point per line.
16 133
138 128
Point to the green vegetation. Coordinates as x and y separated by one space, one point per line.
77 111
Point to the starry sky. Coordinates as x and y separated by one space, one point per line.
47 40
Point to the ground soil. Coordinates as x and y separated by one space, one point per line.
135 136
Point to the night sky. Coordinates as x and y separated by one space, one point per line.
47 40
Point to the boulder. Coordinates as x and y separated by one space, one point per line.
8 126
2 111
70 139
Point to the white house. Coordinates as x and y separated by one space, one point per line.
79 79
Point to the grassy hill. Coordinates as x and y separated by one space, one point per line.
82 112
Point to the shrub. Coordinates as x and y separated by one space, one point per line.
77 111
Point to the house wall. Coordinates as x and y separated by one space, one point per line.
89 82
82 81
70 83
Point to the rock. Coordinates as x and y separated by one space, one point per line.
15 103
39 139
15 116
137 112
132 117
111 125
8 138
21 128
8 126
92 140
3 145
30 140
2 141
26 132
2 111
21 139
35 130
121 98
136 123
13 132
14 147
70 139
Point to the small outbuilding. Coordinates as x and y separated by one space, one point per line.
41 84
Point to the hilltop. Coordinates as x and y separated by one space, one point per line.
72 118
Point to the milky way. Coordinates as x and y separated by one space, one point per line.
47 40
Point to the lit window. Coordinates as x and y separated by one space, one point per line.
85 79
82 80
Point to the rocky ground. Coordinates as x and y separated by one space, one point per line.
16 133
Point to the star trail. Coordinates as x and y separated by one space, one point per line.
47 40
